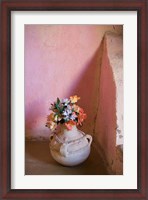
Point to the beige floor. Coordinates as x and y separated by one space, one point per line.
38 161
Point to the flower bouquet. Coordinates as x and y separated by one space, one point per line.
67 112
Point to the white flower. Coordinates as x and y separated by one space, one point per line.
69 107
65 101
67 112
66 118
72 117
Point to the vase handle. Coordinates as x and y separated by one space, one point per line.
63 150
51 137
89 138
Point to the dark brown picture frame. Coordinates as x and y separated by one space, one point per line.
141 6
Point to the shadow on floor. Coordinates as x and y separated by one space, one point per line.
38 161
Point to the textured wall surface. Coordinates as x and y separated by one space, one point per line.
115 55
61 60
105 129
109 121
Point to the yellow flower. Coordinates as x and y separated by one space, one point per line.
59 118
56 118
53 125
74 99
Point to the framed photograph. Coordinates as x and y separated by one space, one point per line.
55 53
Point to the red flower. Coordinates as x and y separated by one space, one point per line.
69 124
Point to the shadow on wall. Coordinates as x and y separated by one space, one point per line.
87 87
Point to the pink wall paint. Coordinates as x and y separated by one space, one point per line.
105 130
63 60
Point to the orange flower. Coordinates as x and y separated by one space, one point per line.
52 125
76 108
50 117
81 110
81 117
69 124
74 99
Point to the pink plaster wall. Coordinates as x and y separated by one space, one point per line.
63 60
105 129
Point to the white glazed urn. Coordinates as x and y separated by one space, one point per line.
70 147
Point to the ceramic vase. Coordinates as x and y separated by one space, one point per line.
70 147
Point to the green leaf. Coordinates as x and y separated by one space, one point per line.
58 100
